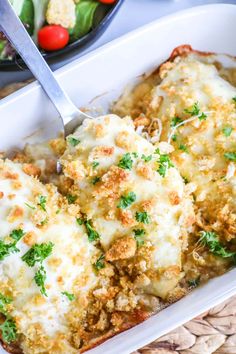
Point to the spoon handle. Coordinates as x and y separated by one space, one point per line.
20 39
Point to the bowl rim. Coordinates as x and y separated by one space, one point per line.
17 61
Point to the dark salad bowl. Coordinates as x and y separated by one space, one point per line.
103 18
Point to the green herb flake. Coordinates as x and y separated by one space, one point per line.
231 156
79 221
95 180
7 249
210 240
185 179
70 297
146 158
73 141
135 154
4 300
142 217
58 211
37 253
234 99
42 202
95 164
138 235
126 162
30 206
164 163
202 116
193 283
9 331
227 131
194 110
17 234
71 198
99 264
40 278
183 148
126 201
44 222
174 121
93 235
174 137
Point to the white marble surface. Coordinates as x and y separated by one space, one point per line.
133 14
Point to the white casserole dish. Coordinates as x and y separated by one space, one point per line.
28 116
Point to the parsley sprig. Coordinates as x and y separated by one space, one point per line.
126 162
42 202
126 200
194 110
73 141
8 248
71 198
174 121
8 327
70 297
231 156
93 235
210 240
138 235
146 158
9 330
99 264
142 217
227 131
37 254
164 162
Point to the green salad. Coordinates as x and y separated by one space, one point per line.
53 24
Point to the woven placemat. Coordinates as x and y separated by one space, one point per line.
212 332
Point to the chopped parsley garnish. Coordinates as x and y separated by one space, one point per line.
164 163
175 121
138 235
99 264
174 137
126 201
9 331
183 148
95 180
7 248
17 234
71 198
4 300
42 202
227 131
194 110
193 283
142 217
30 206
73 141
234 99
146 158
202 116
37 253
210 240
95 164
44 222
70 297
93 235
79 221
126 162
135 154
58 211
230 156
40 278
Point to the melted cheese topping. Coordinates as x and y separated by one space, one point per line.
100 145
41 320
185 82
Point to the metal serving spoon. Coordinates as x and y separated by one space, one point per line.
15 31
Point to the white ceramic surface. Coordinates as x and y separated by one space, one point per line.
28 116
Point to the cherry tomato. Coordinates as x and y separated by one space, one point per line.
107 1
53 37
